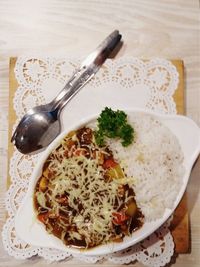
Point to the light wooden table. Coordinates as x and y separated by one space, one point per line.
150 28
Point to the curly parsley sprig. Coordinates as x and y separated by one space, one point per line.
113 124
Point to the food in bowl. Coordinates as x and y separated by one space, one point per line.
89 195
82 196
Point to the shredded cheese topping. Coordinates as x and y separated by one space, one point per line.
83 179
90 200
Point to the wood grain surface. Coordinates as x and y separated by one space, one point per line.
150 28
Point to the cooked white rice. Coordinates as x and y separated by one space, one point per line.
154 164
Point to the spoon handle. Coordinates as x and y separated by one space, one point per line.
87 70
79 79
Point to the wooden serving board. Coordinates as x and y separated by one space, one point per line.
180 223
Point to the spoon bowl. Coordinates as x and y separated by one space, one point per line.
37 129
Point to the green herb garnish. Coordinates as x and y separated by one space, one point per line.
113 124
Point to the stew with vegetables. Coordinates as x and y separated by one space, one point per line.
83 196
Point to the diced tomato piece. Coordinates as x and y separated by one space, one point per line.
109 163
80 152
70 143
43 217
119 217
62 200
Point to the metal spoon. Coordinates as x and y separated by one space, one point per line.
39 127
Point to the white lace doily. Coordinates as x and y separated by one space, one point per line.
122 83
